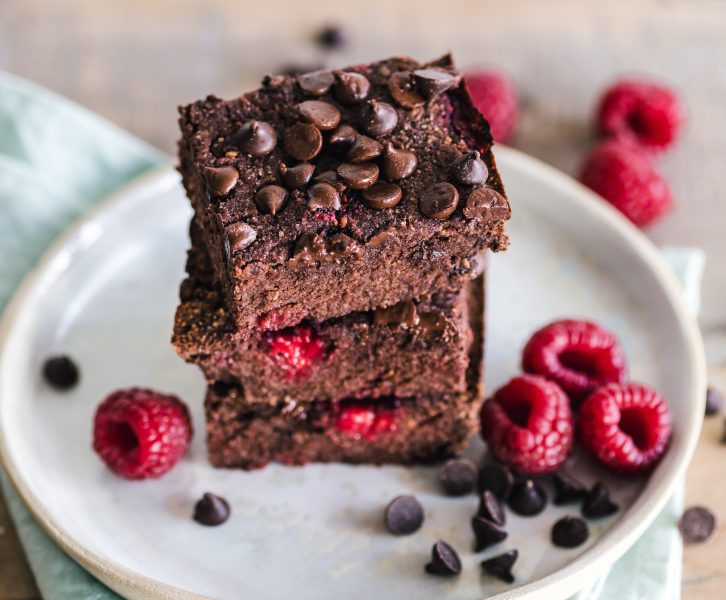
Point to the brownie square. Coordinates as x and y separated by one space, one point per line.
338 192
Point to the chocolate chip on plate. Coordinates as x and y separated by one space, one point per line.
379 118
403 515
359 176
444 560
323 115
332 36
569 532
316 83
527 498
490 507
402 87
714 401
497 479
598 503
323 196
350 87
697 524
303 141
297 177
211 510
439 201
61 372
397 164
270 199
568 489
364 148
501 566
382 195
433 81
457 476
220 180
342 138
240 235
486 204
256 138
486 533
470 169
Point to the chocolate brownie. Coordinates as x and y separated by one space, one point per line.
341 191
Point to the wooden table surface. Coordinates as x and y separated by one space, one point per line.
135 61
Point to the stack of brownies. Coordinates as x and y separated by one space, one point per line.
334 298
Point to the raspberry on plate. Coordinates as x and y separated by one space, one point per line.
140 433
495 97
627 179
528 425
579 356
625 427
641 112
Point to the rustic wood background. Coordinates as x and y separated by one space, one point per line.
134 61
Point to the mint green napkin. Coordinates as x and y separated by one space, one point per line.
56 160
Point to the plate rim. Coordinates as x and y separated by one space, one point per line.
605 552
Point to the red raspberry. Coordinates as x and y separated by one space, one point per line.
643 113
365 420
528 425
495 97
579 356
626 178
296 349
625 427
141 434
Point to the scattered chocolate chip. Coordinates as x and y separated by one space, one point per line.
444 560
211 510
297 177
240 235
470 169
303 141
359 176
340 245
501 566
342 138
323 115
497 479
403 90
458 476
220 180
256 138
402 313
61 373
697 524
323 196
330 177
379 118
381 237
439 201
487 533
598 503
364 148
433 81
568 489
486 204
270 199
527 498
382 195
714 401
397 164
316 83
490 508
332 36
350 87
569 532
403 515
313 248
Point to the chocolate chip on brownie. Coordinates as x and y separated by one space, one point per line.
359 176
324 115
382 195
403 515
270 199
316 83
379 118
397 164
303 141
439 201
363 148
350 87
256 138
342 139
470 169
323 196
240 236
297 177
220 180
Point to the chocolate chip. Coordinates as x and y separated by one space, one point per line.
403 313
527 498
359 176
382 237
350 87
433 81
240 235
714 401
486 204
297 177
470 169
61 373
323 115
340 245
497 479
332 36
501 566
444 560
403 90
598 503
313 248
330 177
323 196
397 164
403 515
364 148
316 83
220 180
569 532
568 489
439 201
256 138
211 510
270 199
490 508
458 476
342 138
382 195
303 141
379 118
697 524
487 533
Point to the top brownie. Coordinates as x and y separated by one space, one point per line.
340 191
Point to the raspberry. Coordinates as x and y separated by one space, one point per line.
643 113
141 434
528 425
365 420
495 97
296 349
579 356
625 427
628 180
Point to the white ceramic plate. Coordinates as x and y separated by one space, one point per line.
106 293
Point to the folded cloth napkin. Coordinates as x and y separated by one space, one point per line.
56 160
